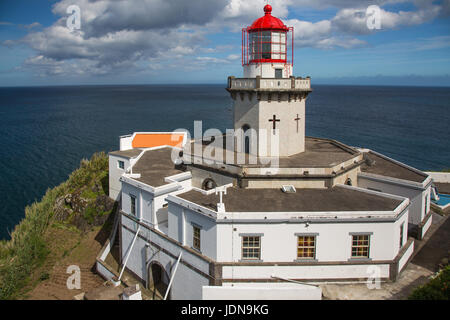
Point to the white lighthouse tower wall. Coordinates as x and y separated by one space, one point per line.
256 115
267 70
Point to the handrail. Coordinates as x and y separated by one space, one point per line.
173 275
129 252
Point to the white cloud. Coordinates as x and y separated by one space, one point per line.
125 35
354 21
32 25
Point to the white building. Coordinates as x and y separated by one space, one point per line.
319 211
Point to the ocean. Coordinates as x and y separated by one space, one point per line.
46 131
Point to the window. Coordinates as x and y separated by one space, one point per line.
121 164
401 235
196 238
360 246
268 45
306 247
245 128
426 204
251 248
278 73
133 205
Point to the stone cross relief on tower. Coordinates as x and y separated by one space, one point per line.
274 120
297 119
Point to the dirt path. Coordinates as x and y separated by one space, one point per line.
68 247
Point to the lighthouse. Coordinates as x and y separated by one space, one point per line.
269 101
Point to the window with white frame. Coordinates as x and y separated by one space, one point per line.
251 248
121 164
133 205
360 246
196 241
306 247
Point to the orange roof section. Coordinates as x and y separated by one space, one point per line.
150 140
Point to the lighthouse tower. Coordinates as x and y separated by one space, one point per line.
268 100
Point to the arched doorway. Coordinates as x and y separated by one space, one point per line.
158 280
348 182
245 128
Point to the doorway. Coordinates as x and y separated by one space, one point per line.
158 281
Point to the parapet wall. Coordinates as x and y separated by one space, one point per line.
440 177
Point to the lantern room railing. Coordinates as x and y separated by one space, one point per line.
269 83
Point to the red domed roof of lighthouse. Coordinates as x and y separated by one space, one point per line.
268 22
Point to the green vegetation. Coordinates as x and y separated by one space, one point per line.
437 289
446 170
27 250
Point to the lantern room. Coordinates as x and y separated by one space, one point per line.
267 47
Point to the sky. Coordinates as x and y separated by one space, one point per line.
199 41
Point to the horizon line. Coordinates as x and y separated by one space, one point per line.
216 84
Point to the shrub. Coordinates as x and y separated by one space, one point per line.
27 250
437 289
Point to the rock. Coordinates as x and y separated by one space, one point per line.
68 199
100 220
78 203
81 223
104 203
61 212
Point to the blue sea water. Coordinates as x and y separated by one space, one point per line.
46 131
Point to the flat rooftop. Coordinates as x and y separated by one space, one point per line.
132 153
385 167
319 153
304 200
154 166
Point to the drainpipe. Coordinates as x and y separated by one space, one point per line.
129 252
173 276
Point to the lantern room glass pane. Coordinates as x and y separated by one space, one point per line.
275 37
267 45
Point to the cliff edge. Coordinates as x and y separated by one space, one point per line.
67 227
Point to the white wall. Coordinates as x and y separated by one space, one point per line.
440 177
267 70
147 205
181 222
262 291
323 272
187 283
256 114
402 262
417 210
333 241
114 175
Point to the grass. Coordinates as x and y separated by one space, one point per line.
437 289
27 249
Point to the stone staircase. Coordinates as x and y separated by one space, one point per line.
55 288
